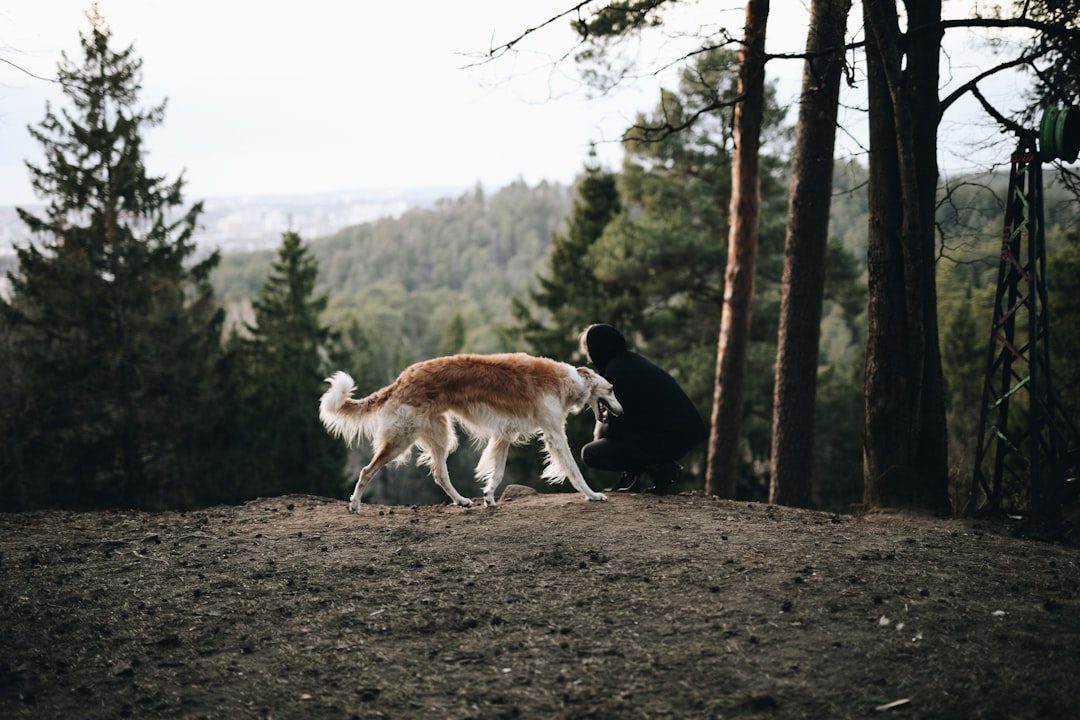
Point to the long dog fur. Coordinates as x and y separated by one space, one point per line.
502 399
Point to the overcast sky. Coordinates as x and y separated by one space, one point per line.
292 98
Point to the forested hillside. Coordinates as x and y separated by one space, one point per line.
413 278
464 257
455 266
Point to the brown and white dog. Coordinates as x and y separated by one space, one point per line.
502 399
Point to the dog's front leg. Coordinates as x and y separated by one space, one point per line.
562 463
491 467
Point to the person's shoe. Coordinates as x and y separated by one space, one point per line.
626 483
658 489
665 477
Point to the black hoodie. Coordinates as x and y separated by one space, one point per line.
657 412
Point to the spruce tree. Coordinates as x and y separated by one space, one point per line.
281 366
570 297
113 336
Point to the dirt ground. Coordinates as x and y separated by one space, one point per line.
546 606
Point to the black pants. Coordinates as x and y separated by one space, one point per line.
607 454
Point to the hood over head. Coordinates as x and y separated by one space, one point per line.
601 343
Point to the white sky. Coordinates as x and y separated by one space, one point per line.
278 97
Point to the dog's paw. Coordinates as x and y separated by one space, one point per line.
464 502
489 501
598 497
354 505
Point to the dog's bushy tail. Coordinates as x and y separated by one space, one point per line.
341 415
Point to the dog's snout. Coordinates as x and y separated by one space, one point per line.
612 407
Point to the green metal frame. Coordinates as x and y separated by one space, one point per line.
1020 462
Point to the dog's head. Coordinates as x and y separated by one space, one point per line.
599 394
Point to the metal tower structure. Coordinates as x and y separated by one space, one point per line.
1026 441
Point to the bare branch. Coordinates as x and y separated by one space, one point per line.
658 132
497 51
27 72
970 85
661 131
1051 29
993 112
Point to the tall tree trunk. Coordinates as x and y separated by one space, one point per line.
905 460
804 257
729 389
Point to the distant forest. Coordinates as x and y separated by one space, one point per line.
408 277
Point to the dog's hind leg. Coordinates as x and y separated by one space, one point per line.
438 441
491 467
561 464
441 474
384 453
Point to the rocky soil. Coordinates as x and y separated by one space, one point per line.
546 606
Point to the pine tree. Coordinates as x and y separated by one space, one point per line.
905 451
570 296
805 248
113 337
670 242
733 347
280 369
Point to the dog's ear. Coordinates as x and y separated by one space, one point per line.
586 374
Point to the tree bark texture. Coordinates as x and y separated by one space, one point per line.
904 454
804 257
729 389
